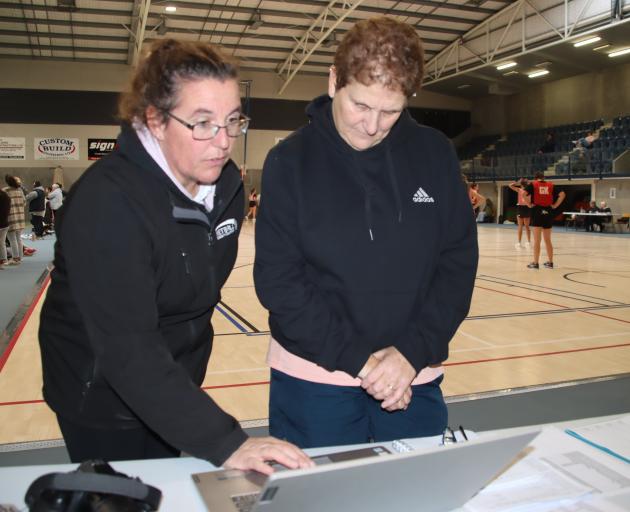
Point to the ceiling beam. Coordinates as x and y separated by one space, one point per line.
138 27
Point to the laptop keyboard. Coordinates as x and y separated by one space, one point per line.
245 502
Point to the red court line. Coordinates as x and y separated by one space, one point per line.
537 355
477 361
552 303
523 297
5 356
244 384
23 402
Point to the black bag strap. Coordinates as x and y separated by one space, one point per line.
78 481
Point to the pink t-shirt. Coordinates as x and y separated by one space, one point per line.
282 360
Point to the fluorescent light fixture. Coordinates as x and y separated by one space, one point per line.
618 53
601 47
506 65
510 73
590 40
463 86
170 8
538 73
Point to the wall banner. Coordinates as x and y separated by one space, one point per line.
56 148
12 148
98 148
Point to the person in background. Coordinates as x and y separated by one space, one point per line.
477 200
366 253
252 204
523 212
55 199
543 197
125 331
605 209
549 145
5 208
17 219
585 142
488 212
590 221
36 200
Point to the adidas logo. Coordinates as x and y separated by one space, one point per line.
422 197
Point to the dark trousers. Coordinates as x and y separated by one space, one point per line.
310 414
85 443
38 224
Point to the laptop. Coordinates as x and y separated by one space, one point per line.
431 480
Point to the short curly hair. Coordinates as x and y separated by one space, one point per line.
159 75
381 50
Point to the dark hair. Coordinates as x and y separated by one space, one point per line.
540 176
159 75
37 183
381 50
11 181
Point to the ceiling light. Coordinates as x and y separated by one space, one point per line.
510 73
463 86
506 65
256 22
170 8
619 52
538 73
590 40
601 47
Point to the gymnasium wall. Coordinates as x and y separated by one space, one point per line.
75 100
602 94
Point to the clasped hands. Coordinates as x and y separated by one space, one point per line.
387 376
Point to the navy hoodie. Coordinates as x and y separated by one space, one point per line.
361 250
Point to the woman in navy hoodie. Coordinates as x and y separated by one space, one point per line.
366 253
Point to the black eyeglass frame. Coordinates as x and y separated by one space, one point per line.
243 123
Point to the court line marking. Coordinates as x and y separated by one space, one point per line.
541 354
537 286
238 370
563 295
576 309
475 338
557 305
461 363
543 342
16 335
252 327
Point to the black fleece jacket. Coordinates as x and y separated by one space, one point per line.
125 330
360 250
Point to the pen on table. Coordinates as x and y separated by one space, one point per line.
461 429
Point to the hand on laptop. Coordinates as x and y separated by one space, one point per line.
255 452
390 379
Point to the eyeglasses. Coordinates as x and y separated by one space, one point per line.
205 130
449 437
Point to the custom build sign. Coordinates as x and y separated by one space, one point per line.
56 148
98 148
12 148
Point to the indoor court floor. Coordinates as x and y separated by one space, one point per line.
526 328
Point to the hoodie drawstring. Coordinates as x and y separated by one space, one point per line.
367 190
394 182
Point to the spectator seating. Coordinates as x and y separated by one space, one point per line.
517 153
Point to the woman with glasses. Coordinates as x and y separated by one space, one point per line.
145 241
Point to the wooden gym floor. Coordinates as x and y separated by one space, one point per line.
525 328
